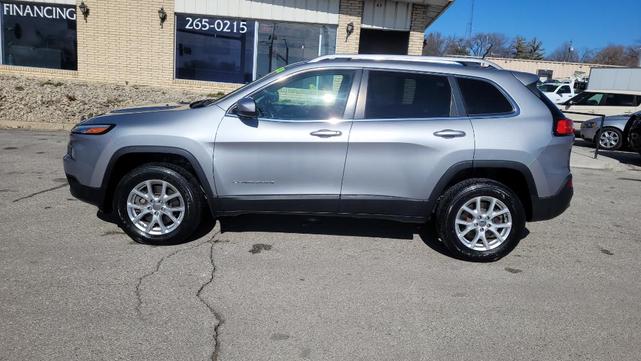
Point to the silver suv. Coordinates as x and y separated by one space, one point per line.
478 150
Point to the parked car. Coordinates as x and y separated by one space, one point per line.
557 92
614 134
634 136
602 102
478 151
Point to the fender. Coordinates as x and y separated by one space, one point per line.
200 174
473 166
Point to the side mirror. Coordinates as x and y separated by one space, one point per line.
246 108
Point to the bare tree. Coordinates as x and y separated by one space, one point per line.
564 52
618 55
484 44
435 44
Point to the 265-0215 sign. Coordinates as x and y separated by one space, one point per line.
39 11
217 25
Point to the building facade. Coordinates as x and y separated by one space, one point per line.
546 69
192 44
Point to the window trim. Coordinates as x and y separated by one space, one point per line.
515 108
362 97
348 114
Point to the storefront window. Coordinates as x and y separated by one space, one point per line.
38 35
214 49
282 43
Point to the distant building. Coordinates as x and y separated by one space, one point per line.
213 44
547 70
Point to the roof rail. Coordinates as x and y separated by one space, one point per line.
461 61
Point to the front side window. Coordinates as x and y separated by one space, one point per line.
483 98
214 49
38 35
310 96
392 95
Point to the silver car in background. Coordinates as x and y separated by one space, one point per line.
615 131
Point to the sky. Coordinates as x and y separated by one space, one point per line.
587 23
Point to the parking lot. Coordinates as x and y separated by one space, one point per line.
284 288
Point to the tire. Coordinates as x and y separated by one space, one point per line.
613 138
182 191
499 240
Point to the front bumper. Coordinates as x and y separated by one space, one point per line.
95 196
550 207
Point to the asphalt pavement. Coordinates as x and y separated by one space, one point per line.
74 287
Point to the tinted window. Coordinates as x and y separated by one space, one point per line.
214 49
564 90
407 95
481 97
588 98
311 96
281 43
38 35
620 100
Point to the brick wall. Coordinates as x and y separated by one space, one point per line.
350 11
122 42
420 20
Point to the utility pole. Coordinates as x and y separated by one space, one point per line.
470 24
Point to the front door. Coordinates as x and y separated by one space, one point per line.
291 158
406 135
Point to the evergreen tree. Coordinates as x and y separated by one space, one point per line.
535 49
519 48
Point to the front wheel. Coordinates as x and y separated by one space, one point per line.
158 204
480 220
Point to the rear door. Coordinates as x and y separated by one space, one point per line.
408 130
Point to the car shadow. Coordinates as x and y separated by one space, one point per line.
622 156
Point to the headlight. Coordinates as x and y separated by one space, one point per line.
589 124
93 129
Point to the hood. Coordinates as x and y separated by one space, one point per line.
151 108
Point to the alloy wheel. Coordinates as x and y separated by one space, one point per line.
609 139
155 207
483 223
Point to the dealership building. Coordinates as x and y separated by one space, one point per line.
206 44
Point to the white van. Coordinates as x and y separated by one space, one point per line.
607 102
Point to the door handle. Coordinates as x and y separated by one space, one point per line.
449 133
326 133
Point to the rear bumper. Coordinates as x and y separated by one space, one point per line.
550 207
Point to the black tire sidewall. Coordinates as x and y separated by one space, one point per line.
463 195
193 206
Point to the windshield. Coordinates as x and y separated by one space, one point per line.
548 88
210 101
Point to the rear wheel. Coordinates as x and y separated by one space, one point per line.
610 138
480 220
159 204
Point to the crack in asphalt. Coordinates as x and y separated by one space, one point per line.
141 279
40 192
219 318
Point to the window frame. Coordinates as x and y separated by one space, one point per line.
456 109
515 108
350 106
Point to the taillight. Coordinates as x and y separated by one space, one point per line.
564 127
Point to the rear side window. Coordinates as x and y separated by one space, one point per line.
392 95
554 110
482 98
621 100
